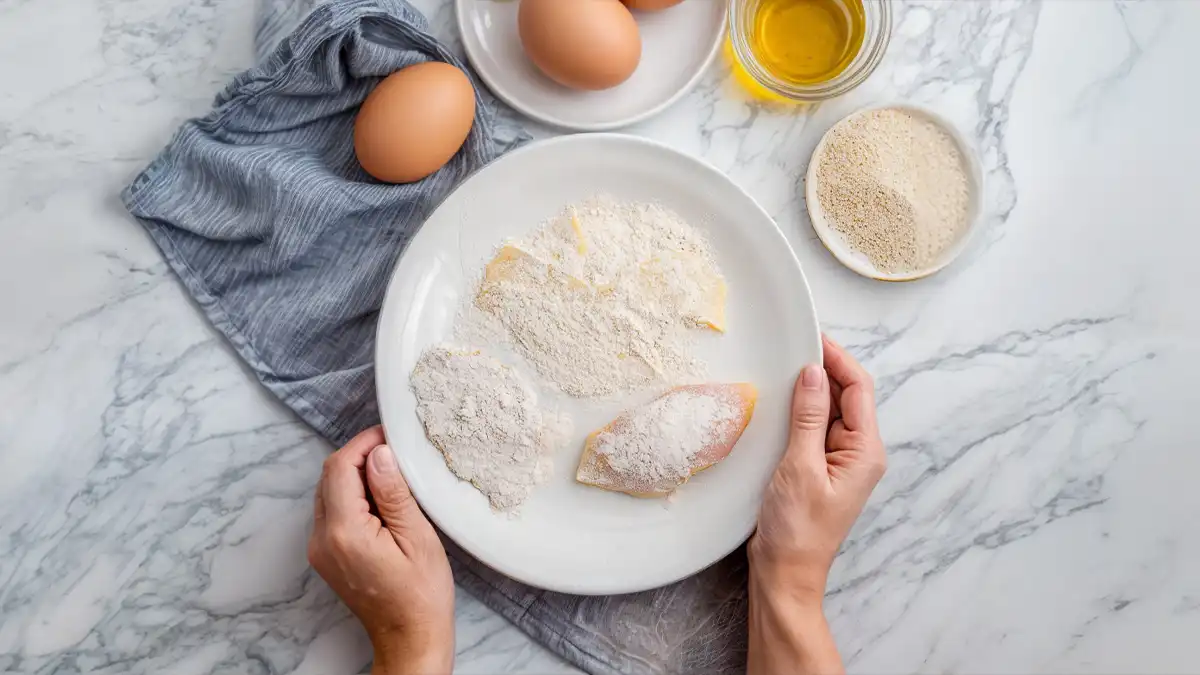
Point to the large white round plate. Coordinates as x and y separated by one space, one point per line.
677 45
570 537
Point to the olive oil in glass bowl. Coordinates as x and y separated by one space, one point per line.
808 50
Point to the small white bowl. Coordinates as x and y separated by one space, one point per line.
678 45
859 262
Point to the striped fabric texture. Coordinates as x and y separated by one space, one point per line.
287 245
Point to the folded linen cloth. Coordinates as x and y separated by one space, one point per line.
287 246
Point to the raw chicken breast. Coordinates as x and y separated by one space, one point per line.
651 450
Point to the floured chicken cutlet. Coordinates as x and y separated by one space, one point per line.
651 450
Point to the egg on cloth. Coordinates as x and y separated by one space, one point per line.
414 121
581 44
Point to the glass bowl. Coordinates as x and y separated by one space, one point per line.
878 15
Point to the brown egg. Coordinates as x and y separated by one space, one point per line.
650 5
582 44
414 121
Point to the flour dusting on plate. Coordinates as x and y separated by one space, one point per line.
485 419
602 299
605 297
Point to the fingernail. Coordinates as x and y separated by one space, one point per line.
382 459
811 376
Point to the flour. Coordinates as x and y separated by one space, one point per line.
485 419
656 447
601 299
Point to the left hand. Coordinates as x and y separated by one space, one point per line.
390 570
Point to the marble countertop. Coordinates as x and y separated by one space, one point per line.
1039 514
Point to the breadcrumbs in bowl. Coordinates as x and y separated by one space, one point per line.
894 192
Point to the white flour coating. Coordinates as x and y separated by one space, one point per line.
601 298
485 419
655 447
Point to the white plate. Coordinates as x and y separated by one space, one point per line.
677 45
859 262
570 537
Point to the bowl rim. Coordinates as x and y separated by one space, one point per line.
866 61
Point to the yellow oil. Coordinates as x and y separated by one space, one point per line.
807 42
746 80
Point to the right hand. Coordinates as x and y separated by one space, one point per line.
834 459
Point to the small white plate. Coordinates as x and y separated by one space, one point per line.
678 43
570 537
859 262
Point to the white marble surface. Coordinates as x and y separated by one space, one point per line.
1040 513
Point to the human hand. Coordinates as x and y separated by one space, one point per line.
834 459
390 570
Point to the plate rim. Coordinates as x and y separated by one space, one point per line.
382 387
549 119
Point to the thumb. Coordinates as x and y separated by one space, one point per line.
810 415
397 508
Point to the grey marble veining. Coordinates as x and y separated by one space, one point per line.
1037 398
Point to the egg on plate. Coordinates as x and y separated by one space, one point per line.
650 5
588 45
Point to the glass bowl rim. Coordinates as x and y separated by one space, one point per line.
878 15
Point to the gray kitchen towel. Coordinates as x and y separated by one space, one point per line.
287 245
